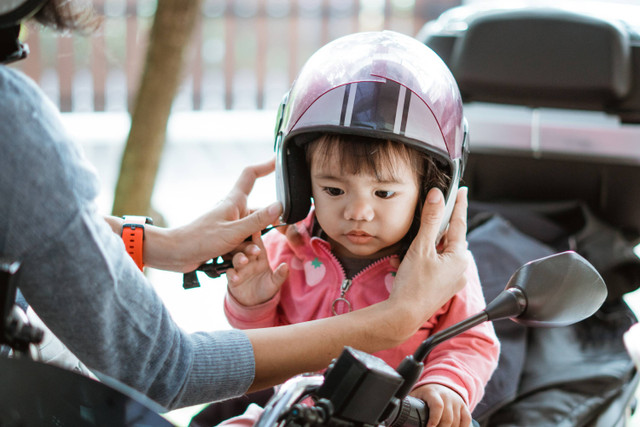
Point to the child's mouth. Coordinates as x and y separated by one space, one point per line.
359 237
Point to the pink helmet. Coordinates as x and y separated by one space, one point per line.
383 85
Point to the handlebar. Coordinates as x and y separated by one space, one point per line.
411 412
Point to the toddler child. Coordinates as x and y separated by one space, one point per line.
370 126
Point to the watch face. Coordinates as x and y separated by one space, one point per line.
37 394
137 219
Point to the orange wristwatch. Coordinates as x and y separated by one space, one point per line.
133 236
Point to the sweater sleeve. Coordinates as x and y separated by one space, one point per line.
466 362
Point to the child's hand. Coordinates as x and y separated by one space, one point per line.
251 281
446 407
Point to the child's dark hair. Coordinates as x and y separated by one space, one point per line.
365 155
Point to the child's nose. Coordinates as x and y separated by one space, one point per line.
359 209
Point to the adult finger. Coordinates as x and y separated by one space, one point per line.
457 233
249 175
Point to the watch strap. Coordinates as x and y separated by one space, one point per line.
133 236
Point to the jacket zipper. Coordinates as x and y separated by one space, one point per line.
346 283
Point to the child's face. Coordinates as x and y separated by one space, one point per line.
364 217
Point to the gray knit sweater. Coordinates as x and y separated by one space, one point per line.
77 276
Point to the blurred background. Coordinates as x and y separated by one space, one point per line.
243 54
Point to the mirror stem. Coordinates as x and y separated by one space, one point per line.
511 302
427 345
411 367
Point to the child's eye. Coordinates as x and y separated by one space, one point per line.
385 194
333 191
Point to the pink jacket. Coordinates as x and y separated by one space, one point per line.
464 363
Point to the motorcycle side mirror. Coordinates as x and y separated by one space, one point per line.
557 290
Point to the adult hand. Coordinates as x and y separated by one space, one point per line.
430 274
217 232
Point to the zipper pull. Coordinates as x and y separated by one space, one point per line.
346 284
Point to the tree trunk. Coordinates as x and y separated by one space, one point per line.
171 32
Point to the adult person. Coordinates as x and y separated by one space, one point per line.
82 283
